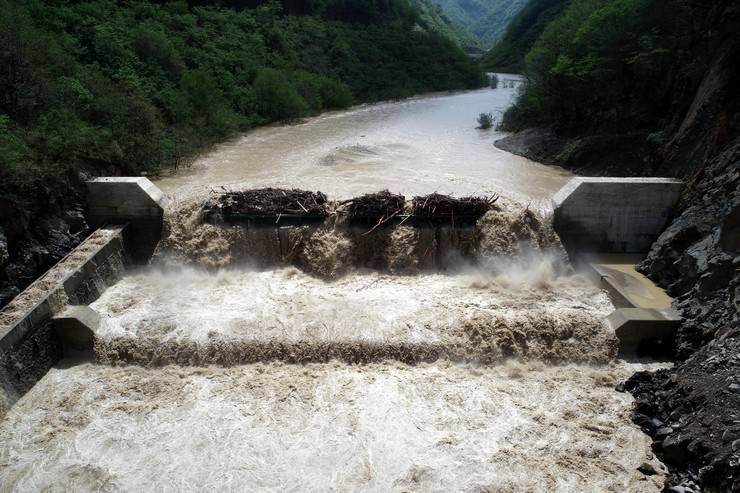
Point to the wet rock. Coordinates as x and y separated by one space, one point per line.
663 432
680 489
675 447
33 241
647 469
698 400
4 254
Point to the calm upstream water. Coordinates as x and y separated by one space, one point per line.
416 146
325 358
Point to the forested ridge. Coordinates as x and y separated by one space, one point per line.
485 19
635 66
603 61
433 17
109 87
139 85
507 55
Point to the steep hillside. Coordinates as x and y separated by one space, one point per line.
433 18
507 55
486 19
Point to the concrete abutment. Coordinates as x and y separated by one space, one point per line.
607 225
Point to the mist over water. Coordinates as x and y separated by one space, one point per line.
327 357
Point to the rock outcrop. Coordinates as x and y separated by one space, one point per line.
32 241
693 410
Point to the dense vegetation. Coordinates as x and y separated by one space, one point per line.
602 63
102 85
434 18
485 19
507 55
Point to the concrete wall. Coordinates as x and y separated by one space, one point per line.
133 201
28 343
128 213
614 215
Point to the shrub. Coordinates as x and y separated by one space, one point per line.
485 121
336 94
278 99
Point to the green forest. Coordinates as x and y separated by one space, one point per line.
507 55
486 20
603 63
136 86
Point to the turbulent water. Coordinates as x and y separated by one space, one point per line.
328 357
237 316
328 427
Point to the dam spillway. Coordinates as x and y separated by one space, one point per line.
491 366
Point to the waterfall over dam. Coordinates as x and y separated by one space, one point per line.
394 352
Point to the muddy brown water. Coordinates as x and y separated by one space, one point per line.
321 359
416 146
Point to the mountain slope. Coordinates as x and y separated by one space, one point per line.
486 19
508 54
435 19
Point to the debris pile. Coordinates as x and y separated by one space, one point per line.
375 208
267 204
445 209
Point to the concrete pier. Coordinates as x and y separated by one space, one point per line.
606 225
134 201
76 327
644 316
614 215
30 341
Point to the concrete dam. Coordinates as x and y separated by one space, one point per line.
193 345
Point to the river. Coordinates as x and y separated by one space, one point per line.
327 358
418 146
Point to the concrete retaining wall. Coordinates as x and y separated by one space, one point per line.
614 215
28 344
128 213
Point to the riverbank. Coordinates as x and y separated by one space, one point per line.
692 409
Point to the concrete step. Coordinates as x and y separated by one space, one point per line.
628 288
644 322
642 330
76 327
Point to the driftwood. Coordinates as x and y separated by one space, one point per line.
374 208
445 209
267 204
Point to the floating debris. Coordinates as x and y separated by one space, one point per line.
445 209
267 205
375 209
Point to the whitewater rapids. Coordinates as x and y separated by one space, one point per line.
194 317
319 427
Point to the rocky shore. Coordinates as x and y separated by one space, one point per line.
32 240
692 411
